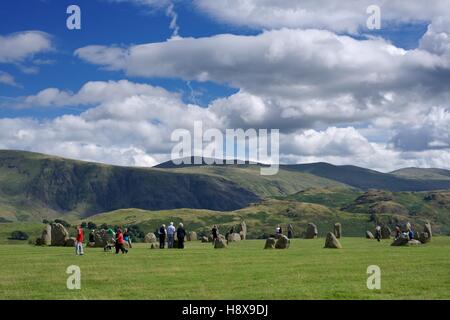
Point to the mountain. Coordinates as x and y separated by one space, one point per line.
36 185
423 174
366 179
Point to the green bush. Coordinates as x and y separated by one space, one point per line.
19 235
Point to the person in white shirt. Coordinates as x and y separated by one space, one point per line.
170 235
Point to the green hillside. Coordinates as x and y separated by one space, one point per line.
33 186
284 183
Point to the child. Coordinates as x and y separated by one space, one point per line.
79 242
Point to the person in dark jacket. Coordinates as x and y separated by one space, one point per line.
120 242
215 232
181 233
162 236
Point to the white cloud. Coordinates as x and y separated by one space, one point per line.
7 79
17 47
133 127
335 15
296 78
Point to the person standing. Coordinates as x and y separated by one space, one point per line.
127 237
120 242
162 236
378 233
79 242
92 238
215 233
181 233
170 235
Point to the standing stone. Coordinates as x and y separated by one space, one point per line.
220 243
243 232
311 231
270 243
150 238
234 237
59 235
369 235
332 242
283 242
290 231
204 239
424 237
427 229
192 236
70 242
46 237
101 238
385 232
337 230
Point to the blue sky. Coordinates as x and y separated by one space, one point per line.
103 23
286 65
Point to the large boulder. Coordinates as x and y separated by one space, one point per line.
337 230
332 242
311 231
59 235
220 243
385 232
424 237
283 242
270 243
414 242
401 241
427 229
243 232
150 238
70 242
192 236
234 237
101 238
369 235
204 239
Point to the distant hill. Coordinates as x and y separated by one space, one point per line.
366 179
423 174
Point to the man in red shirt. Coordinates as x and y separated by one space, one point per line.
79 241
120 242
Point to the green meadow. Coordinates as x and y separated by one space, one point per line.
244 270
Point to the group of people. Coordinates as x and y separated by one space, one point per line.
118 238
409 232
169 234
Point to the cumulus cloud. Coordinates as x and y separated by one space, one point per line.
131 124
17 47
296 78
339 16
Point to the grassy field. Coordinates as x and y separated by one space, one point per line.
242 271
